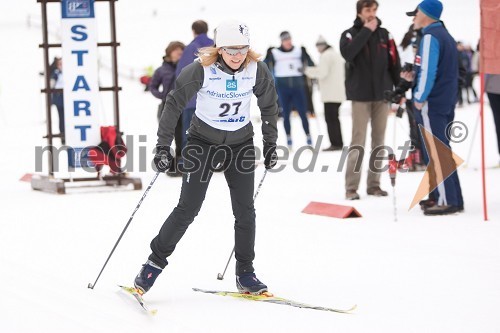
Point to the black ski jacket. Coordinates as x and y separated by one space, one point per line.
372 62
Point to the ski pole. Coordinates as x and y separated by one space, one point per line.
393 169
91 286
219 275
472 142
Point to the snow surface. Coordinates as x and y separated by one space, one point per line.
420 274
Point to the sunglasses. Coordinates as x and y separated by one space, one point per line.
234 51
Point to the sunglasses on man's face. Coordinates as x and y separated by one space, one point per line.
234 51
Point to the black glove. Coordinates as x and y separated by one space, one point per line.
403 86
270 156
163 159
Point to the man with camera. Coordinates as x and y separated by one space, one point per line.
399 97
395 96
434 96
372 66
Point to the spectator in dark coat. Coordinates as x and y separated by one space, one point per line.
164 77
200 29
56 82
469 77
372 67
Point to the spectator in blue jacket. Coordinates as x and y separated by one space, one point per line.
436 75
200 29
164 77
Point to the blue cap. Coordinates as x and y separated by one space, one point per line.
431 8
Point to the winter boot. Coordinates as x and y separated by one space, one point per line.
248 283
351 195
289 141
147 276
309 140
428 203
376 191
442 210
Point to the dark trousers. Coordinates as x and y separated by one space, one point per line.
60 112
177 136
309 94
469 79
200 159
495 107
187 115
412 122
460 99
293 97
58 101
178 144
436 118
333 124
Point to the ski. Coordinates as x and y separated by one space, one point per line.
270 298
137 295
491 167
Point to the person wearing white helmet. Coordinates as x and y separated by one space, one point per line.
220 137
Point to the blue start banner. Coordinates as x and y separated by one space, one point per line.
78 9
81 88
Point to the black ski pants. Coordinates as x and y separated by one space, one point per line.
333 124
495 107
200 160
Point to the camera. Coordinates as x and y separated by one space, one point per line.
400 111
407 67
395 96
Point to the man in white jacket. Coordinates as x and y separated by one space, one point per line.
331 75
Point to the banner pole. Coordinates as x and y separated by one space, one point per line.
483 166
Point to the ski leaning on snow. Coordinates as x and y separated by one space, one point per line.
270 298
138 297
476 168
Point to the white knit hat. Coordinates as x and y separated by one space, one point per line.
321 41
231 33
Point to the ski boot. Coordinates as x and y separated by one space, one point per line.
248 283
289 142
146 277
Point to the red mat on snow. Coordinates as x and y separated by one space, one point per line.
27 177
331 210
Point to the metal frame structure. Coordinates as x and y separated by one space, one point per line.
57 185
